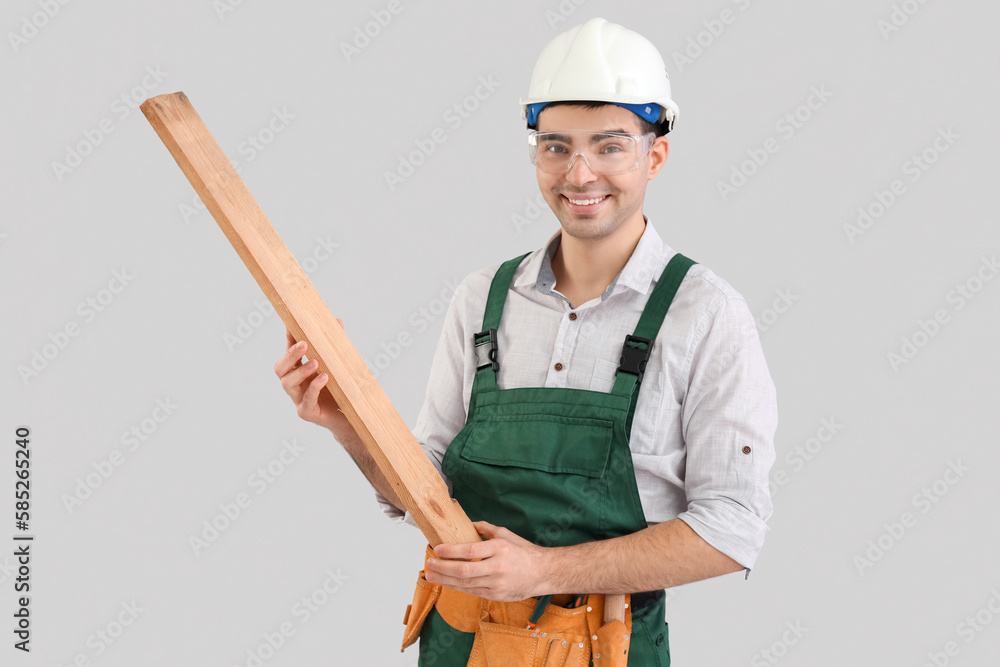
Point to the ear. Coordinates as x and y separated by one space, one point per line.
657 156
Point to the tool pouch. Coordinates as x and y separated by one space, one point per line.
424 597
561 638
459 610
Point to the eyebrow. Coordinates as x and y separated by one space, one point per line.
555 136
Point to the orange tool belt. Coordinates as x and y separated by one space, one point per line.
504 637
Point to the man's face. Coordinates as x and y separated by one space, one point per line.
620 195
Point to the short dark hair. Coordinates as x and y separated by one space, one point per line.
659 129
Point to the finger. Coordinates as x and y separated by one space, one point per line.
459 572
464 585
486 529
491 532
290 358
294 379
465 550
458 583
291 341
310 399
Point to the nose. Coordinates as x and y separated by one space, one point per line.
580 172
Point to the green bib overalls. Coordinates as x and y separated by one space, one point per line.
553 465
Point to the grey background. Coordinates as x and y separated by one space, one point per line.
780 236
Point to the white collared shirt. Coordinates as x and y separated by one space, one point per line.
702 437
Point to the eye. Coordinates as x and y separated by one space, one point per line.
613 146
554 149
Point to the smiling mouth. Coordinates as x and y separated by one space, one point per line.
586 202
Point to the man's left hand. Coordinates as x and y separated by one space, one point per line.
506 567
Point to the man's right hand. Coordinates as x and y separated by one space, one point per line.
305 389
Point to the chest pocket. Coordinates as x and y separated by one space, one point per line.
546 443
654 417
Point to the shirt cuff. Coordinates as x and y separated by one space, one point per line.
705 519
393 513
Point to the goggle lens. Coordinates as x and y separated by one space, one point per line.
604 152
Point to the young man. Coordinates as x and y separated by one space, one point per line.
601 407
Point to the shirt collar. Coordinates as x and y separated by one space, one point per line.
638 273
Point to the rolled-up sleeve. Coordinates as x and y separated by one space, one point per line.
443 412
729 420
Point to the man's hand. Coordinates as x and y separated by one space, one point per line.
319 407
311 402
661 556
508 568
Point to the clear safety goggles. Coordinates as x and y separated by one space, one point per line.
605 153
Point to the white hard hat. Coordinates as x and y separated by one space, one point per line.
602 62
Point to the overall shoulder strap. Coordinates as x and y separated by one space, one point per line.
638 345
486 344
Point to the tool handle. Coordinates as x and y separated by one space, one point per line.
614 608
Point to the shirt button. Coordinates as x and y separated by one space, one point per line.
572 317
746 450
558 367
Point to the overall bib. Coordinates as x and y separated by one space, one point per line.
553 465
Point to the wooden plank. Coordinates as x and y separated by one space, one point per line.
392 445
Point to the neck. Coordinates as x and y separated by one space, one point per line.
585 267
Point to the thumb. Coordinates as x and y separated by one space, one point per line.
486 529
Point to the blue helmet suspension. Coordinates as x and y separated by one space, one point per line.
650 112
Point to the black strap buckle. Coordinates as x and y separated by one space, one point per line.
633 359
486 356
644 599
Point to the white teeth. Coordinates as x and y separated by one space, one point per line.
585 202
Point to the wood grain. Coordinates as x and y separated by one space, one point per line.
392 445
